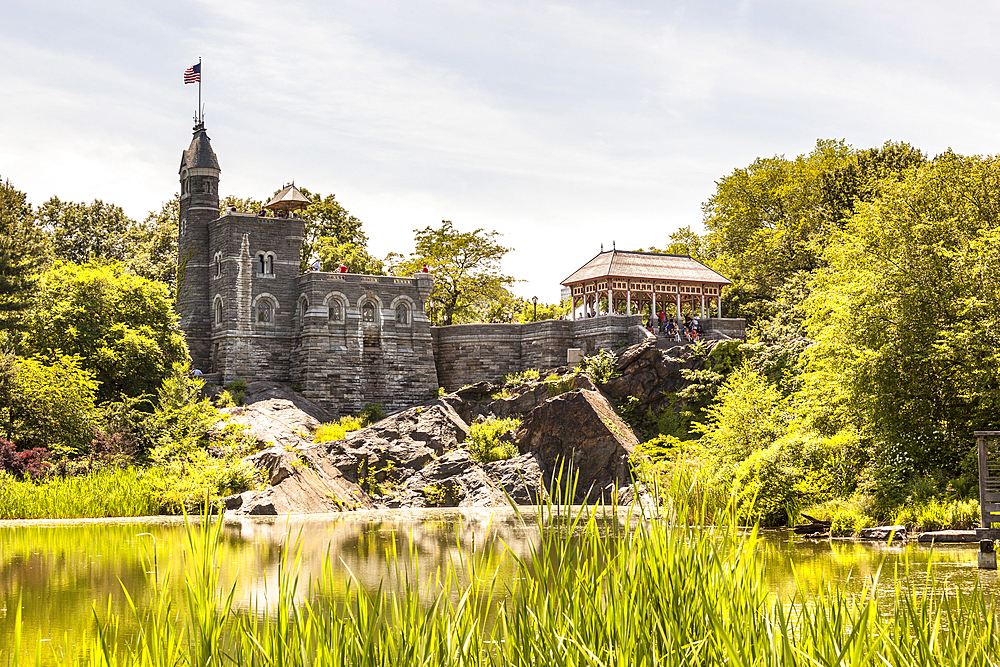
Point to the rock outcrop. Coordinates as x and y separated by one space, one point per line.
417 457
579 431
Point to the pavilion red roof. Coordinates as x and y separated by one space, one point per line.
646 265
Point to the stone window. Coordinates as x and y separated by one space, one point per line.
368 312
218 265
269 265
264 311
336 312
402 314
218 311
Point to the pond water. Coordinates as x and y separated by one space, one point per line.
62 571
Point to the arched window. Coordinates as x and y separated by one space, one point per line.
218 265
368 312
261 263
218 311
402 314
336 311
264 311
269 268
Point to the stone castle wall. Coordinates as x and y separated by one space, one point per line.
363 339
467 353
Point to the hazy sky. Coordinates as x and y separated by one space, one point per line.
561 125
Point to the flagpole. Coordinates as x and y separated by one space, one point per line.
201 116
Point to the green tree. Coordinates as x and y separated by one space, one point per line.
83 232
466 268
332 254
326 219
153 252
123 327
905 316
684 241
51 404
22 250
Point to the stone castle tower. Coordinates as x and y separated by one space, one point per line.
346 340
199 174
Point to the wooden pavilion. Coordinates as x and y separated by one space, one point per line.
629 282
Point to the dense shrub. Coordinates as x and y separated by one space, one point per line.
485 442
514 380
32 463
599 367
337 430
51 405
373 412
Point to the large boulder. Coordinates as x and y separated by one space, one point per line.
454 480
579 432
520 477
300 483
257 392
275 422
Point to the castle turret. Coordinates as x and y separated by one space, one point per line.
199 175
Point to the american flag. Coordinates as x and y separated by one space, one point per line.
193 74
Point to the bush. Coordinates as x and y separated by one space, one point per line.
51 405
599 367
337 431
515 380
485 444
372 413
32 463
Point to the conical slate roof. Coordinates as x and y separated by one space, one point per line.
200 154
289 199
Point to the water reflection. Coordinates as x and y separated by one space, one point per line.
62 572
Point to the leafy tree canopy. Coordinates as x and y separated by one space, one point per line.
84 232
153 253
121 326
332 254
466 268
905 316
22 249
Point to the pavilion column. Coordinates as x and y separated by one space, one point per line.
678 304
628 301
653 314
610 308
573 297
718 300
703 302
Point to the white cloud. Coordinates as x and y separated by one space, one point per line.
560 124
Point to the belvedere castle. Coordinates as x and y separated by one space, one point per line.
344 340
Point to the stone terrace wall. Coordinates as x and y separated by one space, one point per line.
467 353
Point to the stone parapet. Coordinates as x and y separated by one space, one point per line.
468 353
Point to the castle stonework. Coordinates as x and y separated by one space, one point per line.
345 340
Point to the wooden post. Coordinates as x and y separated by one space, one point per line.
988 451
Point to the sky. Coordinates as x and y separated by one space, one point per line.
560 125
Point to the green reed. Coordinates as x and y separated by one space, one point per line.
598 589
104 493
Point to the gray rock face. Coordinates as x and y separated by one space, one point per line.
521 477
580 430
454 480
275 422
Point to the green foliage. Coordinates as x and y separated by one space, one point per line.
331 229
466 268
529 312
105 493
332 253
906 348
646 424
153 252
22 250
441 495
51 404
599 367
121 326
485 443
371 413
515 380
337 431
85 232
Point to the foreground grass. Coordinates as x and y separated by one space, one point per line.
591 593
105 493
